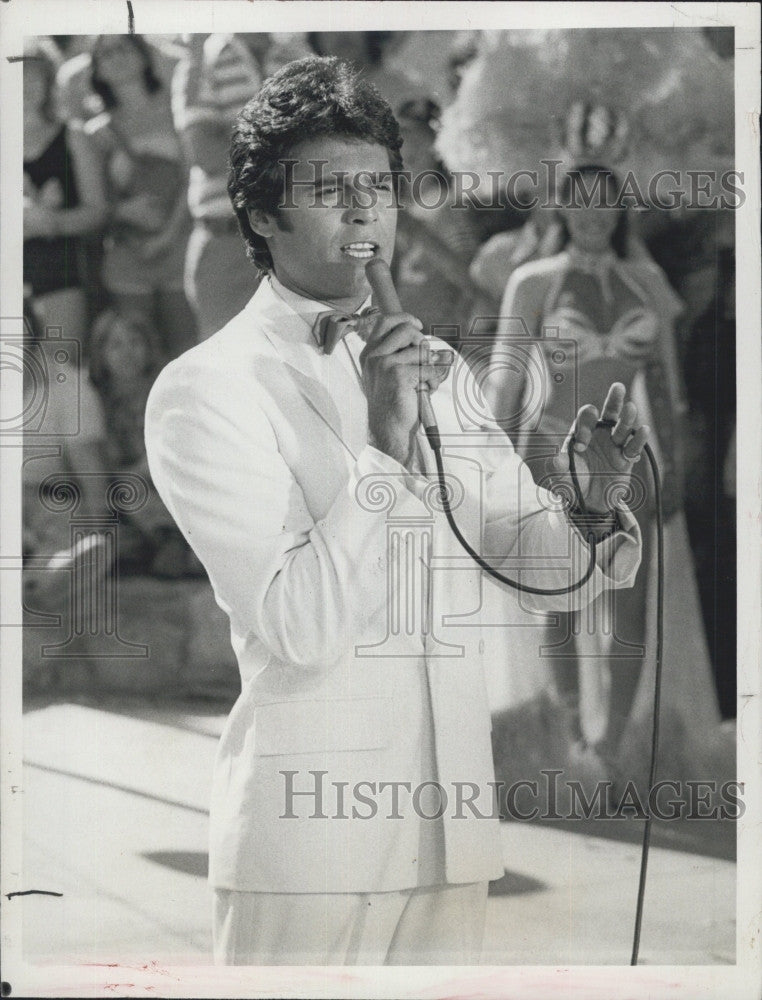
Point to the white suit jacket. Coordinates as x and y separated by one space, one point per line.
354 614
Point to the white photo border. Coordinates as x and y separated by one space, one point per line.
19 18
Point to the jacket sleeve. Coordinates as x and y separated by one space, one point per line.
530 535
526 530
526 534
306 589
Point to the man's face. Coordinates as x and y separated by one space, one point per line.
333 225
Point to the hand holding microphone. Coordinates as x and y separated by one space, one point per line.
393 369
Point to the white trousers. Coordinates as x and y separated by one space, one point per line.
435 925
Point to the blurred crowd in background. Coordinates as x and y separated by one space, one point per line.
131 248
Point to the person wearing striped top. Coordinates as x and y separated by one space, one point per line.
218 76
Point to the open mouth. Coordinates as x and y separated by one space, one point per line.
360 250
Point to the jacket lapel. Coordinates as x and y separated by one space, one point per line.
322 381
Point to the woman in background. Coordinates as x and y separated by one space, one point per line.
134 148
593 316
122 371
434 243
64 198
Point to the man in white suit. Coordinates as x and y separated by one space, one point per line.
352 813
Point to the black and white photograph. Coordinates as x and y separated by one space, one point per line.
380 476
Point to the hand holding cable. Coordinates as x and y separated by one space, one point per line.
598 466
603 461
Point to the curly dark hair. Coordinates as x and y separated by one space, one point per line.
104 90
307 98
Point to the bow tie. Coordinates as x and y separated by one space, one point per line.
330 328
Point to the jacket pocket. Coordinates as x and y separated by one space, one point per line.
292 727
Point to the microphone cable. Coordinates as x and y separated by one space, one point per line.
380 279
431 429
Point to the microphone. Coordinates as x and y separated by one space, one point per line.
380 279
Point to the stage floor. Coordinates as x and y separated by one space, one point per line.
115 799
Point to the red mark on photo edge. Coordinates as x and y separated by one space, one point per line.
132 986
149 967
